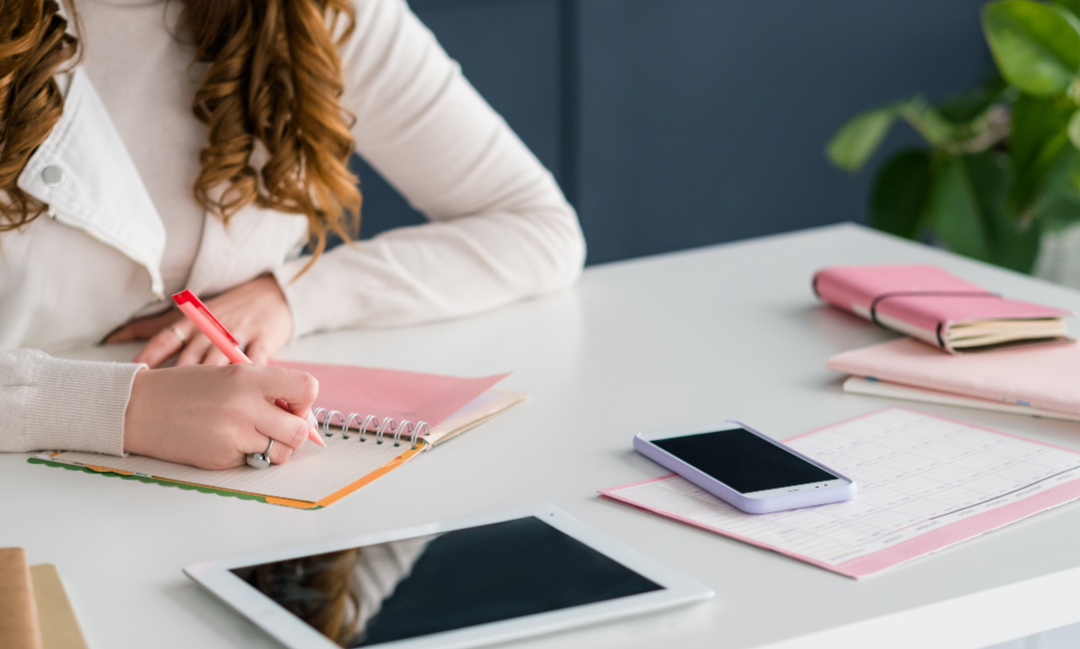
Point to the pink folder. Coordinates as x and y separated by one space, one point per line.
396 394
921 301
1046 377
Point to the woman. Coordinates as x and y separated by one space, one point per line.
200 145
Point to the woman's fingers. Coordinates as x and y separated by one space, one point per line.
259 352
298 389
214 356
256 311
143 328
194 351
284 428
279 453
164 344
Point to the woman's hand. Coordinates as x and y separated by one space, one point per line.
256 313
213 417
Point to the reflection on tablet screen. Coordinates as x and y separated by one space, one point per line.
418 586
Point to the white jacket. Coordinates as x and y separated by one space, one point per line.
501 232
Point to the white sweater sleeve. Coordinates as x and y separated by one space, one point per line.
501 230
49 403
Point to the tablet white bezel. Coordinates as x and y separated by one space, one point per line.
288 629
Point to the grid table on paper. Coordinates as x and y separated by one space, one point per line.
917 476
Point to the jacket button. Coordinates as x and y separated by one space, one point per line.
52 176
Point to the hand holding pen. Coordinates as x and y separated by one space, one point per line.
214 417
218 334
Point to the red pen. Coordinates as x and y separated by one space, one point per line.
196 311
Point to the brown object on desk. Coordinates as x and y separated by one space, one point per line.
18 610
59 628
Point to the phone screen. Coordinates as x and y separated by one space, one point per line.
743 461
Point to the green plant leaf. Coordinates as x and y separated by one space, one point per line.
857 140
967 210
899 194
973 104
1074 129
1018 246
1035 146
925 119
1057 202
1072 5
1036 46
954 211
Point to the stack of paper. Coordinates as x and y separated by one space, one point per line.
1038 381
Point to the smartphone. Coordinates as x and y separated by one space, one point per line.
745 468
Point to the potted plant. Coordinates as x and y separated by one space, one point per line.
1001 165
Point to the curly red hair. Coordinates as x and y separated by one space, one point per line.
34 44
274 80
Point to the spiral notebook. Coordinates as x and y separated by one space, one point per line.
373 421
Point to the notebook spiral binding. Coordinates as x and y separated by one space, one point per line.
386 426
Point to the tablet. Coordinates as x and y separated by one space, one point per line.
463 583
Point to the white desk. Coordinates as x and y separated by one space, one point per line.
724 332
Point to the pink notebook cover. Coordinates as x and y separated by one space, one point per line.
1046 376
855 289
944 536
397 394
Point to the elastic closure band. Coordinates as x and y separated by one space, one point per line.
941 325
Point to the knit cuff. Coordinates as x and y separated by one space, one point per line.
79 405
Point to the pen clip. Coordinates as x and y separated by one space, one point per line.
186 296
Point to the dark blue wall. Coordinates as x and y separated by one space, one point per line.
679 123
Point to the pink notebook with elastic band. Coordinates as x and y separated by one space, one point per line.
938 308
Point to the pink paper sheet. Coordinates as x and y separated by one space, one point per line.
933 534
397 394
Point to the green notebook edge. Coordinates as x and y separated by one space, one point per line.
163 483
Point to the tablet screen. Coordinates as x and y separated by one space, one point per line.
418 586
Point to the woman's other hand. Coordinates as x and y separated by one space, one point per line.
213 417
256 313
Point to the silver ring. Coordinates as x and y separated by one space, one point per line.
180 334
261 460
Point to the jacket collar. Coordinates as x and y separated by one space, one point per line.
84 173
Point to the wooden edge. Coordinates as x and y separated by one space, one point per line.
59 626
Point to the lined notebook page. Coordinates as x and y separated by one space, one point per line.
311 474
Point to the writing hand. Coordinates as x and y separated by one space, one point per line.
213 417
